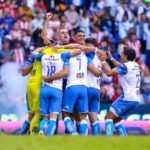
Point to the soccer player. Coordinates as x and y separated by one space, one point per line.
35 81
54 68
129 73
94 89
25 71
75 94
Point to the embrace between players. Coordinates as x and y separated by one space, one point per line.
80 66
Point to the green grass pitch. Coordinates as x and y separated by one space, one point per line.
62 142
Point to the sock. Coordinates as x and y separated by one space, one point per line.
109 127
35 122
96 129
51 127
25 127
43 125
83 127
66 131
121 129
57 125
69 125
77 126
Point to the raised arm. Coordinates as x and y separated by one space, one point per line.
106 67
45 27
114 61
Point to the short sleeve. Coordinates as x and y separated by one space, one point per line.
29 61
65 56
122 69
89 61
91 55
38 56
66 63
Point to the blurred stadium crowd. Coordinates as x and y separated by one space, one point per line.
114 23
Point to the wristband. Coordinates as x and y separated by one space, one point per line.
96 49
104 62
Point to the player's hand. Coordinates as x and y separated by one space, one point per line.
89 49
56 47
48 41
49 16
109 53
102 55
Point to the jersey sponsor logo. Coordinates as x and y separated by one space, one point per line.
80 75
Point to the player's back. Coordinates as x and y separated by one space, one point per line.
93 80
131 82
78 70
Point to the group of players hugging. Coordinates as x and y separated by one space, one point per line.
65 78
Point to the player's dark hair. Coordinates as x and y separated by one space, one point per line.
91 41
130 52
77 31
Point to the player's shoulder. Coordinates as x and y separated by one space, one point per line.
47 50
131 64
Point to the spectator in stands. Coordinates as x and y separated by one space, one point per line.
73 17
10 5
19 52
143 68
5 54
26 39
40 8
37 22
117 93
25 10
85 23
3 30
16 32
104 98
24 22
65 24
8 20
135 44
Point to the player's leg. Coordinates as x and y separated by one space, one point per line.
120 127
109 125
118 110
34 125
82 106
68 103
26 123
54 109
44 109
126 108
94 108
